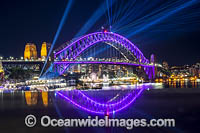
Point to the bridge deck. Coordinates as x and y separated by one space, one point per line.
103 62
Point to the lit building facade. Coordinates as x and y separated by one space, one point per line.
1 67
44 50
1 71
165 65
30 51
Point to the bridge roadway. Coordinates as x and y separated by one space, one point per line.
23 64
22 61
104 62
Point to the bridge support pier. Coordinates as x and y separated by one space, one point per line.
150 71
60 68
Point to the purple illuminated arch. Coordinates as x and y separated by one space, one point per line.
74 49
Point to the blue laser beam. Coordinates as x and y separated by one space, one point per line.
128 17
67 9
163 17
94 18
141 26
108 8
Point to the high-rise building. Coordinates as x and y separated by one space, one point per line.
152 59
1 67
30 51
165 65
1 71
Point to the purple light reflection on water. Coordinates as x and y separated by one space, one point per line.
124 103
103 104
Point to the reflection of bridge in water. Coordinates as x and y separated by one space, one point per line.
73 52
95 102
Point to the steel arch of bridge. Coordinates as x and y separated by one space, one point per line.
74 49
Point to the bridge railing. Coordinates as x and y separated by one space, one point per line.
71 61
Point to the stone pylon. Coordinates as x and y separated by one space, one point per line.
1 71
1 67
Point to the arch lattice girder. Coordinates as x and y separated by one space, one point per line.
73 49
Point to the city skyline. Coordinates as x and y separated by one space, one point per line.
40 24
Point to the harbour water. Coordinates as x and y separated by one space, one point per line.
159 101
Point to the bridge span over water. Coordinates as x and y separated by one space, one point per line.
73 50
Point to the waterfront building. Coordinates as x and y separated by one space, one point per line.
1 71
165 65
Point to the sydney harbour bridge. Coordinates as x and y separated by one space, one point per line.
74 51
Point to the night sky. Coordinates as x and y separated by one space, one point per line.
36 21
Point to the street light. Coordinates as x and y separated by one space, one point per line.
11 58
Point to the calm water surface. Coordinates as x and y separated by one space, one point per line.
161 101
